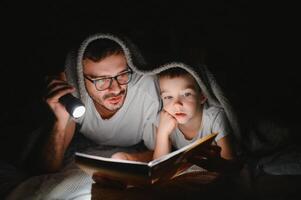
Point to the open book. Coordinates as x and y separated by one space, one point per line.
142 173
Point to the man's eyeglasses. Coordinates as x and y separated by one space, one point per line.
104 83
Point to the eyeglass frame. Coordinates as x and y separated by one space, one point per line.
129 70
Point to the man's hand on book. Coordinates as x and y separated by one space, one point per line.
142 156
121 156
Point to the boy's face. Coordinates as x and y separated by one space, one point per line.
181 98
112 98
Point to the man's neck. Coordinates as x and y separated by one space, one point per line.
103 112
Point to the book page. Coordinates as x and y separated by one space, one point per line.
135 172
168 164
183 149
109 159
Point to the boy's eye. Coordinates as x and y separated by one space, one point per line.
167 97
187 94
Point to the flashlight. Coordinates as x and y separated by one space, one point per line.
73 105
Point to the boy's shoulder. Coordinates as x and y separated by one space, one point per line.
213 111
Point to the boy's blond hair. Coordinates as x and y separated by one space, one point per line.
177 72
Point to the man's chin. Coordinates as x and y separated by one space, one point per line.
114 103
114 106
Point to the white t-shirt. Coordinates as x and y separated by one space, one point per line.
214 120
133 120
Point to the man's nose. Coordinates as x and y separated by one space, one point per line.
114 85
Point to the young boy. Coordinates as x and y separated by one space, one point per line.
186 116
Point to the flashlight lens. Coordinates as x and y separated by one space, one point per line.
78 111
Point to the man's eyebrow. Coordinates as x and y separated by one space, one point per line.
104 76
126 69
96 77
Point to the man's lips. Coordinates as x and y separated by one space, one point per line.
115 100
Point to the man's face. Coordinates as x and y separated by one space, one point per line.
112 98
180 97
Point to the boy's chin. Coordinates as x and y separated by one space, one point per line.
182 121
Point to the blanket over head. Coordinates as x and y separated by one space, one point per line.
205 79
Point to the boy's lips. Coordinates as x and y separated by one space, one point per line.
180 114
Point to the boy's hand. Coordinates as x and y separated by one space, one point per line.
211 160
167 123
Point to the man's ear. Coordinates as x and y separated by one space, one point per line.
203 98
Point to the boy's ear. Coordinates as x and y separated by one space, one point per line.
203 98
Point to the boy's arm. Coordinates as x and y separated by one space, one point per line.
227 151
167 125
221 125
162 146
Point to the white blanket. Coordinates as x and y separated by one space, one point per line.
70 183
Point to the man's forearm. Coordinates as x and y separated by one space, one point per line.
53 152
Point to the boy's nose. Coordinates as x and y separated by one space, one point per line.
177 103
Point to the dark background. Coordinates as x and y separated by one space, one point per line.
240 46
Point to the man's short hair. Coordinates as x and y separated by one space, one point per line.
102 48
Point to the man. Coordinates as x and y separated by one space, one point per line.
120 103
